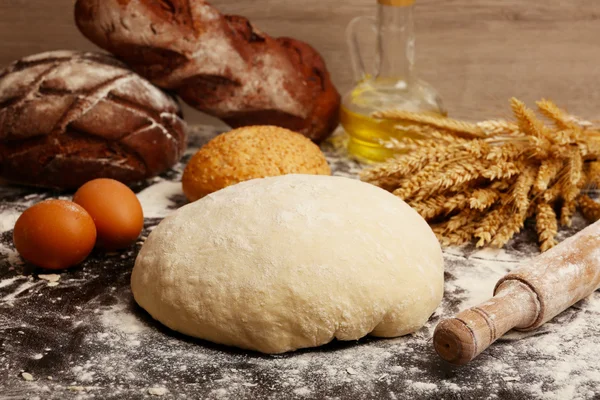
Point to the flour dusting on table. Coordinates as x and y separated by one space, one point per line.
86 338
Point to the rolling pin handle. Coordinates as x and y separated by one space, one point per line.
455 342
459 340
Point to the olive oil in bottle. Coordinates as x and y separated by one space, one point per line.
394 85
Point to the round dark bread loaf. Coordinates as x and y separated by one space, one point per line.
69 117
219 64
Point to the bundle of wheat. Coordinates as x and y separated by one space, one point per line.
483 180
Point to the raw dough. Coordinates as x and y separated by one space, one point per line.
288 262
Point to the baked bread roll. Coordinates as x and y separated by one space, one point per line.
219 64
68 117
249 153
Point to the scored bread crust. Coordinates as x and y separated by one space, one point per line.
68 117
220 64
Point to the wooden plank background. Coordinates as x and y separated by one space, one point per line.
478 53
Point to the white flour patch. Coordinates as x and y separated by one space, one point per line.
23 287
158 391
592 305
52 278
156 201
8 218
425 387
491 255
12 256
477 290
27 376
120 320
302 391
11 281
82 373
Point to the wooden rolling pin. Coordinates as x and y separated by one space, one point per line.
526 298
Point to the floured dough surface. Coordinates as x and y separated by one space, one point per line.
289 262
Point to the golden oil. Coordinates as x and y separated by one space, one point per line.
393 84
367 135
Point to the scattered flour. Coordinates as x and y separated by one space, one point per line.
558 361
83 373
470 281
158 391
423 386
27 376
11 281
12 256
50 277
303 391
156 201
120 319
8 218
25 286
452 386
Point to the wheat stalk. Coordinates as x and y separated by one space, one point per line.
489 226
498 127
526 119
546 225
592 174
483 180
460 127
560 118
589 208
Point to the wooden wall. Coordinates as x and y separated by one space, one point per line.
478 53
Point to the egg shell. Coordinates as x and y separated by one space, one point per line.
55 234
116 211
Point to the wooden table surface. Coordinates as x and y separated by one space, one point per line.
85 338
478 53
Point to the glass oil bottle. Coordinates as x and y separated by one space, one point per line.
393 85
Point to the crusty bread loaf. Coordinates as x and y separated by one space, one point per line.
220 64
68 117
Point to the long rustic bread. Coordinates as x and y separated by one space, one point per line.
68 117
219 64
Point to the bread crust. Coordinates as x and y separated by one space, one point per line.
219 64
68 117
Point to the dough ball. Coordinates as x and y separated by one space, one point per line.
250 153
289 262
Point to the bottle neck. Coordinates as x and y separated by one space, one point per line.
396 41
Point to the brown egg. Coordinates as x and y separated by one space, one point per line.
55 234
116 211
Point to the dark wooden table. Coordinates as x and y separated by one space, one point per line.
86 338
